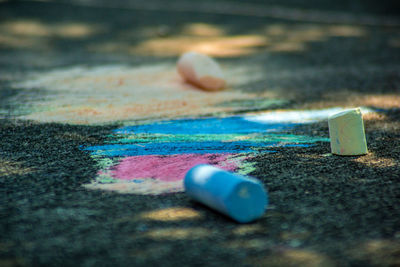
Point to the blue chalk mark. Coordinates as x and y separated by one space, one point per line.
295 145
162 141
174 148
228 125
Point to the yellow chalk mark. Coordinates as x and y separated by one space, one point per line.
121 93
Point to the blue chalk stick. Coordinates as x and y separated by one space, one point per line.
241 198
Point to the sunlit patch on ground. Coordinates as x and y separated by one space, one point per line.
372 160
293 257
171 214
38 35
378 252
216 40
159 40
374 117
383 101
253 244
395 42
170 233
346 97
12 261
155 251
244 230
230 46
10 167
203 29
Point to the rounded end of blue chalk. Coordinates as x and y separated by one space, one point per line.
198 174
247 202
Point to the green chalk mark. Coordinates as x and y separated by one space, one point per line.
162 138
106 179
103 162
16 109
241 160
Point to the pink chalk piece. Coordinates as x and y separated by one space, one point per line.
167 168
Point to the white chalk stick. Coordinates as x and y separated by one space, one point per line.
201 71
346 131
241 198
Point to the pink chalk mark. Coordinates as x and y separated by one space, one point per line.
167 168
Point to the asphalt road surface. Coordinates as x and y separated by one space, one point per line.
66 84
